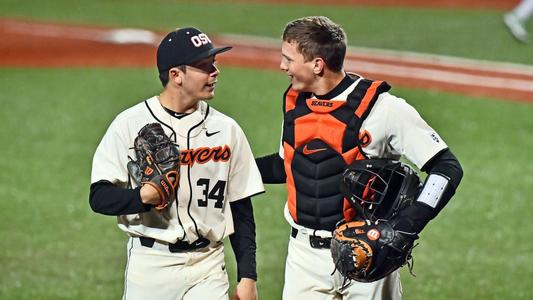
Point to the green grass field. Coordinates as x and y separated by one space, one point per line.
54 247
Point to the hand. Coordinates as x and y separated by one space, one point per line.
149 195
397 233
245 290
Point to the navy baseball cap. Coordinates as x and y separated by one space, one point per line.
185 46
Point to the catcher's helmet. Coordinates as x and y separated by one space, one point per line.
379 188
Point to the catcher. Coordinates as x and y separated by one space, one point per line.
332 119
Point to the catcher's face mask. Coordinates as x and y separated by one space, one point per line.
378 188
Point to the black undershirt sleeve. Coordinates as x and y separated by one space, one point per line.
271 168
243 239
417 216
107 199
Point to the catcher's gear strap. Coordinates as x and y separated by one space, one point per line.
107 199
243 239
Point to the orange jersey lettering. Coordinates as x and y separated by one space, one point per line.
205 154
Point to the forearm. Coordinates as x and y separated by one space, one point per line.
271 168
108 199
444 175
243 239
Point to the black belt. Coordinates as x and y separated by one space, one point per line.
315 241
179 246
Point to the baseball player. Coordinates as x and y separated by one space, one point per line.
516 19
332 118
176 252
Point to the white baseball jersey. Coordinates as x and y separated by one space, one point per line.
217 167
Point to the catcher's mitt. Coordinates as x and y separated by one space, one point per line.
367 252
157 162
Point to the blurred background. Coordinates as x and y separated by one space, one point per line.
67 68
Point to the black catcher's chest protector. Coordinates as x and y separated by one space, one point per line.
320 138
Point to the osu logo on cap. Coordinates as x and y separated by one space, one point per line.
199 40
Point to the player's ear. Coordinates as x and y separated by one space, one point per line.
175 75
318 65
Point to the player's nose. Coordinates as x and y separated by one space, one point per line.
214 71
283 66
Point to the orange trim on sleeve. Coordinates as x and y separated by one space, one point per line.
370 92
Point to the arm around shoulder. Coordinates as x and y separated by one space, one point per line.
271 168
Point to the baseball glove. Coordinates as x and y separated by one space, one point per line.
157 162
367 252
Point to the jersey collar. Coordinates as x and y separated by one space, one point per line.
189 126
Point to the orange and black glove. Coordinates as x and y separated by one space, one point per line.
157 162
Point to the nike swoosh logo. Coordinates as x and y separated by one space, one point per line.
307 151
208 134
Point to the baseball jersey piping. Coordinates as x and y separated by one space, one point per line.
127 267
189 172
176 191
163 123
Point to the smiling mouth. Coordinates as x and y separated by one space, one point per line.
211 85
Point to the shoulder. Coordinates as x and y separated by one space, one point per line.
390 104
136 111
392 115
130 120
232 131
215 116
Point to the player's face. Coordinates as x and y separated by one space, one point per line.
200 79
300 72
